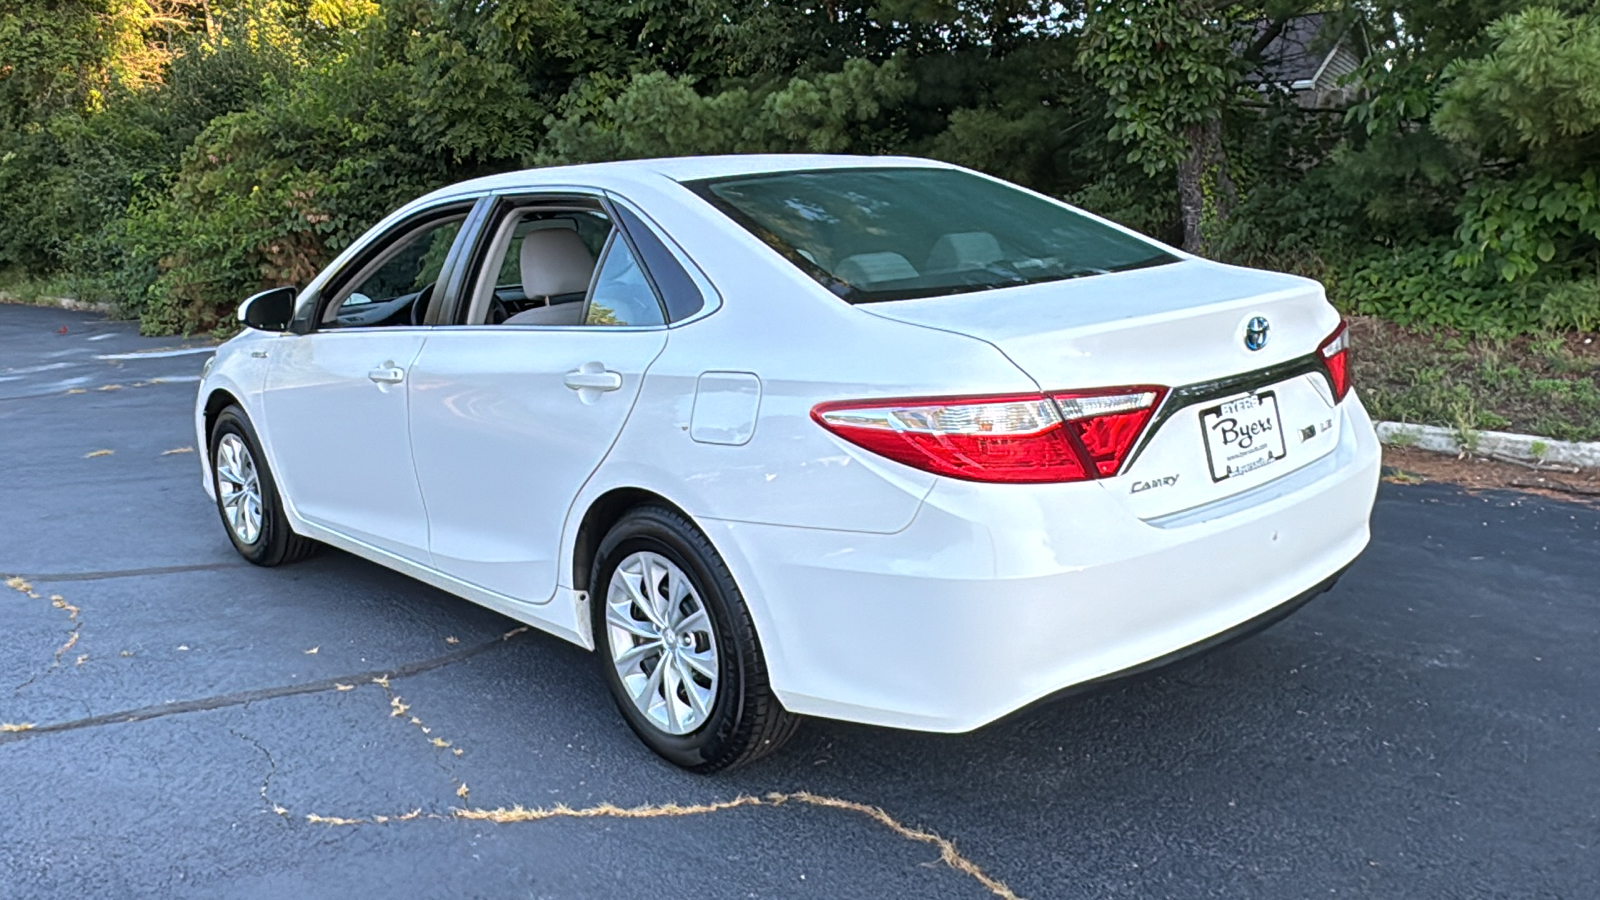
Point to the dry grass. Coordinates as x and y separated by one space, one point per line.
1547 386
948 854
59 602
19 584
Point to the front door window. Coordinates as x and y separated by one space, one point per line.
398 286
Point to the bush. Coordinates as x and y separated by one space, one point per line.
1512 227
1418 285
268 194
1134 200
1574 305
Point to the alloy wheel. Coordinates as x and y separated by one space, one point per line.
662 642
239 488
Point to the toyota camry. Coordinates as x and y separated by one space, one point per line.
875 439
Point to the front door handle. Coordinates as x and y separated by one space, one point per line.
388 373
596 378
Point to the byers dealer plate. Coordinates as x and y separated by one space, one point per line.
1243 435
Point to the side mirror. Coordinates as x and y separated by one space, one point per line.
270 310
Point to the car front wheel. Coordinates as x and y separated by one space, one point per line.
678 646
247 496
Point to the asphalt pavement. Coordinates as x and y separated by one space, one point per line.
205 728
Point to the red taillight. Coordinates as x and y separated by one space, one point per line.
1335 352
1107 424
1026 438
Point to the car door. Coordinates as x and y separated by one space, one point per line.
509 420
335 403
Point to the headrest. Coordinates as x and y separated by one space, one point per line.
555 261
865 269
964 250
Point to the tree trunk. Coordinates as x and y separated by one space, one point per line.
1206 193
1191 189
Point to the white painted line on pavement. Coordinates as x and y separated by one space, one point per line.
31 370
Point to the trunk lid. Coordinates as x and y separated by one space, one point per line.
1181 325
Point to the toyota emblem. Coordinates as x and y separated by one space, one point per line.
1255 333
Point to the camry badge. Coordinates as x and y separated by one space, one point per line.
1140 487
1255 333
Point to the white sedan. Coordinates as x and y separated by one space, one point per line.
876 439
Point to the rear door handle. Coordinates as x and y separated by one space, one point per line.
593 379
389 374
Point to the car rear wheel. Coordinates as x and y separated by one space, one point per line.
678 647
247 496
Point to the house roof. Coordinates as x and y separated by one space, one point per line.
1301 51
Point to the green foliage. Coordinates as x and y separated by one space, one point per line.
1532 106
1419 285
1536 94
473 107
1131 199
1573 305
64 55
1165 66
268 194
176 162
1512 227
657 115
1548 385
1003 142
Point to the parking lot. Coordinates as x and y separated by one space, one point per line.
179 723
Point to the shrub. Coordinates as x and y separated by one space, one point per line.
1419 286
1512 227
1575 304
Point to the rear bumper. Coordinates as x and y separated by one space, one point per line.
1217 641
996 596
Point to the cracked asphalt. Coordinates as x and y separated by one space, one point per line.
1430 728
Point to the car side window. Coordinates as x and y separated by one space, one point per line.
679 293
621 294
396 287
561 265
537 267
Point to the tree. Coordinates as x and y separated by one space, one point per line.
1169 71
1531 108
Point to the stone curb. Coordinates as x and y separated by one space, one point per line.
1491 443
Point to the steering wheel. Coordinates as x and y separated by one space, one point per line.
419 306
498 312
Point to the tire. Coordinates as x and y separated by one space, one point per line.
271 542
743 721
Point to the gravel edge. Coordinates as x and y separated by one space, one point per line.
105 309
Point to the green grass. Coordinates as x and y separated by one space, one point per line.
1547 385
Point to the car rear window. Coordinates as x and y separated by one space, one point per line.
876 234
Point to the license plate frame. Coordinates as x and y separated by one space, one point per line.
1255 420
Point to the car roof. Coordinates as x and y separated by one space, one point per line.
681 168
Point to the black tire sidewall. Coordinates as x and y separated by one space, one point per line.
271 545
648 530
